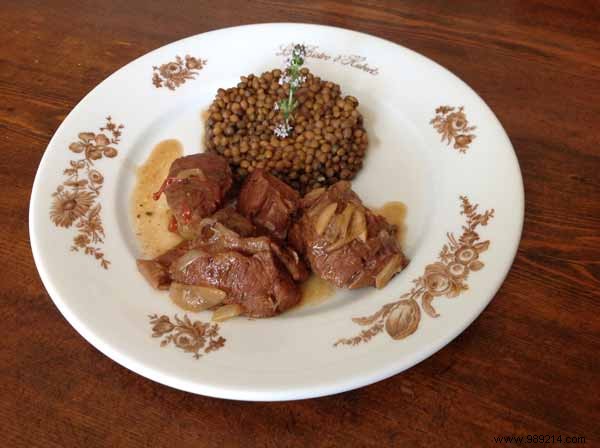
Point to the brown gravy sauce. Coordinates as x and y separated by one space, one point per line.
150 217
395 213
315 290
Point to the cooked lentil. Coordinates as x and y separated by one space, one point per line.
328 142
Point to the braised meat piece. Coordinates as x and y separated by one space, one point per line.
234 221
268 202
254 272
215 237
253 281
345 242
156 271
195 188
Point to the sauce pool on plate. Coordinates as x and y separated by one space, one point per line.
395 213
150 217
315 290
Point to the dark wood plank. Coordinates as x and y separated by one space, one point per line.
528 365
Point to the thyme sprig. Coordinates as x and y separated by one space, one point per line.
294 78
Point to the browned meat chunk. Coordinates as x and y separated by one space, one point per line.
251 271
254 272
195 189
344 242
156 271
268 202
253 281
234 221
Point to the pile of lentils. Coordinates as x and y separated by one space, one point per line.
328 141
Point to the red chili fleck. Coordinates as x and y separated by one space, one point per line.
166 184
173 224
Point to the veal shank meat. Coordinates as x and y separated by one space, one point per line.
345 242
231 219
254 272
268 202
195 188
156 271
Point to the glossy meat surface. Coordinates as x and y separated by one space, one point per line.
195 188
345 242
268 202
255 272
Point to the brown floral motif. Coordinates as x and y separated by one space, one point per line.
446 277
173 74
453 125
69 206
191 337
74 201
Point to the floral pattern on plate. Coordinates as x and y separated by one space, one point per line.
75 200
191 337
453 126
175 73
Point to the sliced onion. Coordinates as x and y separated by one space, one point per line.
358 226
227 312
314 194
339 243
325 217
344 220
207 222
186 259
351 224
191 172
318 207
253 244
224 231
195 298
186 232
388 271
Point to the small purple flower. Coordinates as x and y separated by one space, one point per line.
295 83
282 130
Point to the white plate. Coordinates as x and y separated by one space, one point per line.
294 355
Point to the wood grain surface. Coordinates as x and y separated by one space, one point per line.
528 365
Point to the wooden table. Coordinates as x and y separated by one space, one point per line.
528 365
